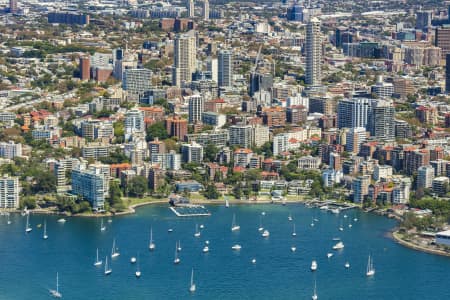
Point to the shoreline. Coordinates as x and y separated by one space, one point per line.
395 236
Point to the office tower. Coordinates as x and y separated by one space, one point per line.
85 68
192 152
185 60
423 20
313 52
13 6
212 66
353 112
9 192
225 74
190 9
136 82
447 73
90 185
205 10
442 39
381 123
196 108
260 82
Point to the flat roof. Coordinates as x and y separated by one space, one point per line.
445 233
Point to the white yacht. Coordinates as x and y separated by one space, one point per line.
62 220
266 233
370 270
254 261
205 249
335 210
329 255
294 233
313 265
97 261
192 288
293 248
45 236
133 260
324 207
114 252
151 244
290 217
347 265
202 226
179 246
108 270
234 226
338 246
236 247
9 221
56 293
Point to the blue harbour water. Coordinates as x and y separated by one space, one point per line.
28 264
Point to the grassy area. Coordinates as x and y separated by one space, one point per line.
129 201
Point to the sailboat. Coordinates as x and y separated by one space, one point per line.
151 245
370 269
294 233
107 269
265 233
45 236
28 228
179 246
197 233
114 252
314 296
138 270
261 228
9 221
56 293
290 217
234 226
97 261
177 259
313 265
102 226
341 227
227 204
192 288
312 222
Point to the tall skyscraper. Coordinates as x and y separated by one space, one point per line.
423 20
205 10
190 8
185 60
196 108
442 39
85 68
13 6
90 185
136 82
353 112
225 76
447 73
313 52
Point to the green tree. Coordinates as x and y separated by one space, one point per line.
137 186
45 183
115 195
211 192
210 152
157 130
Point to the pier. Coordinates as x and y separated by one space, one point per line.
190 210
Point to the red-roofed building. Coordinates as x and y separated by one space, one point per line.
242 157
116 169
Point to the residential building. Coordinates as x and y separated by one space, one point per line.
136 81
133 123
225 71
382 172
309 162
90 185
9 192
442 39
242 157
353 112
440 185
177 127
10 149
219 138
447 73
192 152
214 119
190 8
381 122
354 138
196 108
425 176
241 135
360 187
205 10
